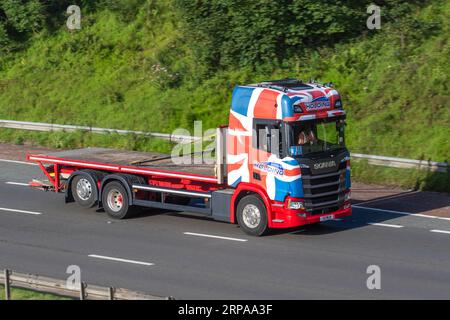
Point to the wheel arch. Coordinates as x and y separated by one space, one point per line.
97 176
126 180
245 189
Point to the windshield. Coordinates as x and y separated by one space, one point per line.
308 137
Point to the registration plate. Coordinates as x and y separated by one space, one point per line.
326 218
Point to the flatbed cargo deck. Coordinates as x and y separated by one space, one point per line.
127 161
140 160
136 179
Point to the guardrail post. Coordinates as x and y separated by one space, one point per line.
112 290
7 285
55 286
83 291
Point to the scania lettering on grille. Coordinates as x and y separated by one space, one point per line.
323 165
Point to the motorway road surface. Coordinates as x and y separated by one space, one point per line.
194 258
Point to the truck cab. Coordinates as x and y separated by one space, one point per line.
286 142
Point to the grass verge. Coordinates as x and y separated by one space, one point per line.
399 177
22 294
80 139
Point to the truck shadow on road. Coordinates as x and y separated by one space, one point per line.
324 228
357 220
361 218
330 227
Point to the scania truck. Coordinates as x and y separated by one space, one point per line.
280 163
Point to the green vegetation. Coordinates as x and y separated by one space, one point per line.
399 177
22 294
79 139
155 65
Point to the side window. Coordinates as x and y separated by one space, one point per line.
268 137
262 137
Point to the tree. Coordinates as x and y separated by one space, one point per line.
247 33
21 17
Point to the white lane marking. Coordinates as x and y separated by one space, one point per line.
385 225
18 162
431 217
121 260
211 236
20 211
17 184
383 210
440 231
403 213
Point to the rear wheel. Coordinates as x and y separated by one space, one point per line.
84 191
115 201
252 215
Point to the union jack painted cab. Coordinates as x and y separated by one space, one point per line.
286 146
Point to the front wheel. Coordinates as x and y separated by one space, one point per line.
115 201
252 215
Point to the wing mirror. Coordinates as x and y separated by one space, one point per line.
296 150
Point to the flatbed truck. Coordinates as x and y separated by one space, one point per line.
280 163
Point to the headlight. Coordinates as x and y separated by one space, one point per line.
295 205
338 104
348 196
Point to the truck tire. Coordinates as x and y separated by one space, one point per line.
84 190
252 215
115 201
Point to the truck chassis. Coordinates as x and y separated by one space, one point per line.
121 181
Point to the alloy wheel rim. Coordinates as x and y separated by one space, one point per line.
251 216
115 200
84 189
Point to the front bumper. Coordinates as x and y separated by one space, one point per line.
290 219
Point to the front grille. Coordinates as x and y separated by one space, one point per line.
324 192
324 180
326 189
324 210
